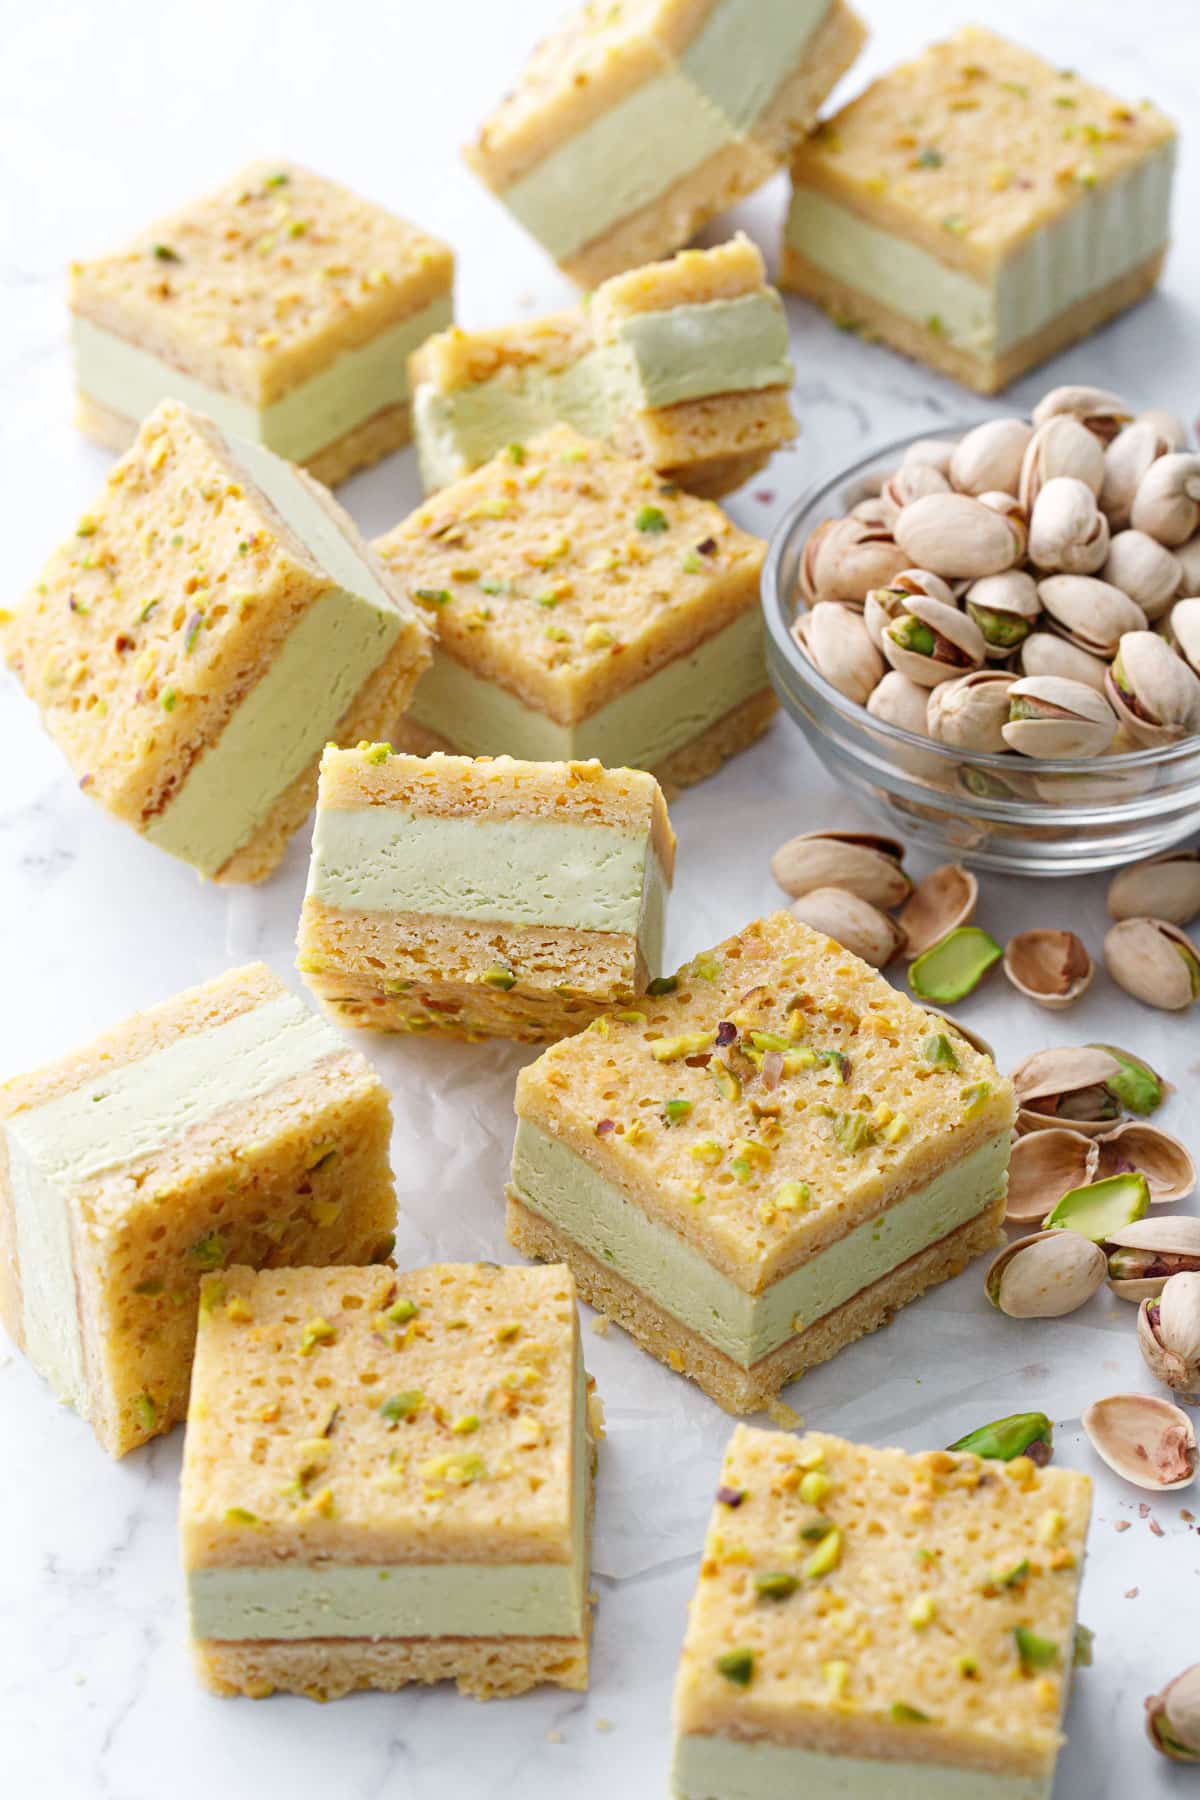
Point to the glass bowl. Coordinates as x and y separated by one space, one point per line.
1005 812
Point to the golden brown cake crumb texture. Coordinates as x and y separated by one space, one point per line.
761 1165
881 1599
328 1668
261 284
568 574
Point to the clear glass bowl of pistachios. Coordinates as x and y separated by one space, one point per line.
991 635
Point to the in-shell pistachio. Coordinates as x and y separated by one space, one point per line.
1163 887
957 537
931 642
1028 1434
1169 1335
1043 1166
835 641
1146 1440
990 456
1090 613
1102 411
1184 628
844 558
1060 446
1167 503
1049 717
1125 462
1045 1275
1004 607
1152 691
938 905
971 711
911 481
1155 962
859 862
1051 967
1173 1717
1144 570
1142 1256
1102 1207
934 451
1045 653
1136 1085
954 967
1068 1086
1067 531
853 923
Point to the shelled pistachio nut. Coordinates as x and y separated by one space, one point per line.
853 923
1169 1335
859 862
1155 962
1060 446
1144 570
953 968
931 642
989 457
1045 1275
1125 462
1184 625
844 558
1165 1162
1028 1434
835 641
1102 411
1098 1209
1005 608
1051 967
1050 717
1068 533
1045 653
970 711
957 537
1152 691
1138 1087
938 905
1144 1255
1163 887
1067 1086
1090 613
1167 503
1043 1166
1145 1440
1173 1717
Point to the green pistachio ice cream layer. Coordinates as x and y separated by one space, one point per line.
707 1766
551 1180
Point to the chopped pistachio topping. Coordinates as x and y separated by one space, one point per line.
459 1468
816 1487
317 1331
401 1311
240 1515
689 1043
146 1412
921 1612
904 1714
939 1051
651 518
776 1584
499 977
676 1111
209 1252
825 1558
737 1666
1035 1652
401 1406
663 984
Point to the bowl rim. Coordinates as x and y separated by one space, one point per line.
775 604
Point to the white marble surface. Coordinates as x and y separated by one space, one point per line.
107 115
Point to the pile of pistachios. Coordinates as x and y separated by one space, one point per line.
1032 587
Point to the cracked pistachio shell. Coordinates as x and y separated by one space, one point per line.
1043 1167
1165 1162
1020 1434
1067 531
1155 962
990 456
958 537
1143 569
1169 1335
1102 411
1010 508
1144 1439
953 968
1167 503
844 558
931 642
1185 631
1045 1275
1163 887
1125 462
1142 1256
1152 691
1091 613
853 923
1051 967
882 605
1173 1717
859 862
1004 607
1045 653
1059 446
944 900
835 640
1055 718
1099 1208
1067 1086
969 712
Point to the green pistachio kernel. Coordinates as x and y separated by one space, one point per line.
432 596
241 1515
676 1111
939 1051
1002 630
736 1666
499 977
1035 1652
815 1487
904 1714
727 1083
1102 1207
401 1406
515 453
854 1131
164 253
1008 1437
793 1196
816 1530
776 1584
663 984
1137 1086
825 1558
651 518
1082 1647
1015 1576
974 1098
401 1311
146 1412
911 634
954 966
209 1252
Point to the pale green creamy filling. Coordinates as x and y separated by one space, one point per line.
551 1180
722 1768
639 729
1110 230
406 1600
357 384
637 150
280 727
657 359
523 871
116 1119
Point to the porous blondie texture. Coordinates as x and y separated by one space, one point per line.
389 1418
295 1170
260 286
493 975
161 618
875 1604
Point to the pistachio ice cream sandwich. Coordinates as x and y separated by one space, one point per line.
765 1160
282 305
980 209
485 898
388 1479
869 1622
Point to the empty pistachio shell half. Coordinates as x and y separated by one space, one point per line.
859 862
1045 653
958 537
1144 569
1167 503
1144 1439
953 968
1103 412
1067 1086
1184 626
1155 962
1152 691
1043 1166
1059 446
1055 718
1046 1275
1125 462
1028 1434
990 457
1067 530
971 711
1051 967
1169 1335
1173 1717
853 923
1164 887
1102 1207
835 641
1143 1255
944 900
1091 613
931 642
1138 1087
1165 1162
